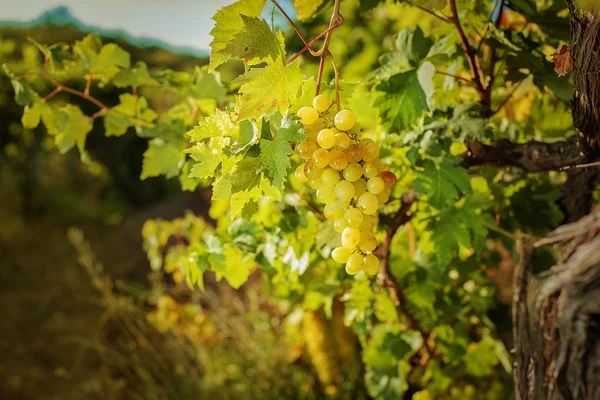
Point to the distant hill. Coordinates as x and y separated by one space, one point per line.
62 17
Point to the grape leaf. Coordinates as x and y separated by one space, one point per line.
443 184
274 160
24 94
405 97
254 43
217 125
207 159
131 111
229 22
134 77
237 266
69 126
268 89
162 158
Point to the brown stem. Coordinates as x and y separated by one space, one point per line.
401 217
88 84
471 56
294 26
53 93
442 18
320 75
336 71
460 78
307 47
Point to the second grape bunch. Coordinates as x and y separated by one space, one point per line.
349 179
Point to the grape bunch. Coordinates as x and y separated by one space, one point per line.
349 179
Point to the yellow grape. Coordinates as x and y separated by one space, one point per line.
333 211
342 141
311 169
344 190
354 217
371 169
321 103
311 134
321 157
367 223
339 225
368 241
367 203
350 238
364 142
316 184
300 175
371 264
370 152
339 160
326 138
384 196
354 263
360 186
389 178
306 149
353 172
384 168
344 120
354 154
330 177
308 115
326 194
375 185
341 254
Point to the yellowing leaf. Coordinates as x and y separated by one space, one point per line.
217 125
268 89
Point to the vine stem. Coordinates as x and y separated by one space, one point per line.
460 78
307 47
336 71
295 28
442 18
402 217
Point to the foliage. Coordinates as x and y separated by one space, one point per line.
423 326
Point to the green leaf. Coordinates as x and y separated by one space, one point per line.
268 89
69 126
207 160
111 58
131 111
254 43
444 184
411 48
162 158
481 358
306 9
24 94
32 115
87 49
217 125
237 266
274 160
406 96
134 77
229 22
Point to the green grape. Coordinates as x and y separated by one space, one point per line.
339 225
311 135
321 103
354 263
368 241
375 185
311 169
326 194
306 149
389 178
300 175
339 160
371 169
350 238
333 211
341 254
321 157
371 264
353 172
330 177
342 141
326 138
354 217
360 186
367 203
367 223
344 120
308 115
316 184
384 196
370 152
344 190
354 154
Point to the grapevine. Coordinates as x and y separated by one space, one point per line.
349 179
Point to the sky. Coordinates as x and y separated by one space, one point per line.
178 22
